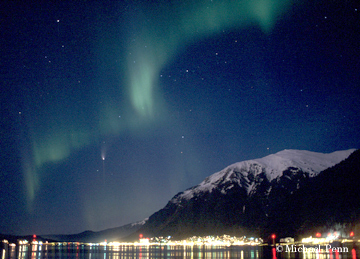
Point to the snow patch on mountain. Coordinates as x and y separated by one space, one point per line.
273 166
142 222
310 162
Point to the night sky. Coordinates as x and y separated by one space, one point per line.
110 108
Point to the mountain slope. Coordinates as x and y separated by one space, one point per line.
243 198
331 200
273 166
112 234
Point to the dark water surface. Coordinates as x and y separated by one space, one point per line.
186 252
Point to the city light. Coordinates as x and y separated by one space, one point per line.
273 236
210 240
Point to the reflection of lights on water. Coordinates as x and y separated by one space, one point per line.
274 253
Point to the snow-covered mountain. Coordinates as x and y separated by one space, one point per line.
245 174
247 196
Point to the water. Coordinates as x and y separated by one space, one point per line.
167 252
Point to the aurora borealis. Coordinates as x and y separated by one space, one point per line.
110 108
168 29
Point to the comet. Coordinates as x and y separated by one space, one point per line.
103 156
103 162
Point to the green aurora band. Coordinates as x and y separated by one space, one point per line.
156 33
169 29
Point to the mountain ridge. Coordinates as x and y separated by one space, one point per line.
273 165
111 234
243 197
